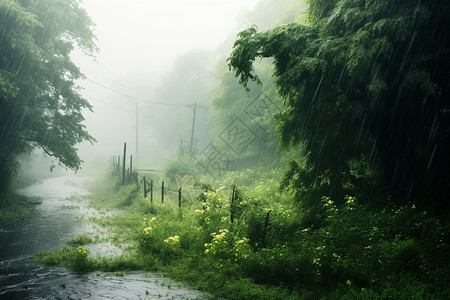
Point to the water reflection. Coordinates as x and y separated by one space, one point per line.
22 278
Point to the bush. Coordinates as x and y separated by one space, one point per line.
75 258
354 252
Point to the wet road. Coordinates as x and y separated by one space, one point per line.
22 278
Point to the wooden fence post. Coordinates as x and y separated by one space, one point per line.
179 197
124 161
263 240
130 179
204 200
162 192
232 204
145 188
151 191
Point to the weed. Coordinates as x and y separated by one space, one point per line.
271 252
80 240
119 274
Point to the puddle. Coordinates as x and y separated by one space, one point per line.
21 278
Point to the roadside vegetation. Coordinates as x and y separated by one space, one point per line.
22 208
271 250
326 175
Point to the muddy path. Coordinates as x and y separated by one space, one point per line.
22 278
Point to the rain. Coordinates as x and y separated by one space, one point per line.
241 149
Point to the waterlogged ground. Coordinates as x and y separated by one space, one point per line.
22 278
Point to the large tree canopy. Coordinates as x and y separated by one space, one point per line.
39 101
368 78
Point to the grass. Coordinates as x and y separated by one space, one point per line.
24 207
121 230
192 268
78 260
357 253
81 240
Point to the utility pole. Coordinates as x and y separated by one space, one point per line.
181 152
192 131
137 130
194 108
124 160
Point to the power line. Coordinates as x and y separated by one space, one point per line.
101 73
133 97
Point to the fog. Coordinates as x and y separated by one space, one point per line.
142 46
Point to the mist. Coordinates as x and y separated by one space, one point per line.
161 55
274 149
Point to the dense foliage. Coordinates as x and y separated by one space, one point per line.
363 91
39 101
254 246
364 79
255 109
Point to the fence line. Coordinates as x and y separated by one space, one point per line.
130 176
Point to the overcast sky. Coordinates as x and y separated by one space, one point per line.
139 41
137 34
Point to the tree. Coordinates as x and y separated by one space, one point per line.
40 104
363 79
254 110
